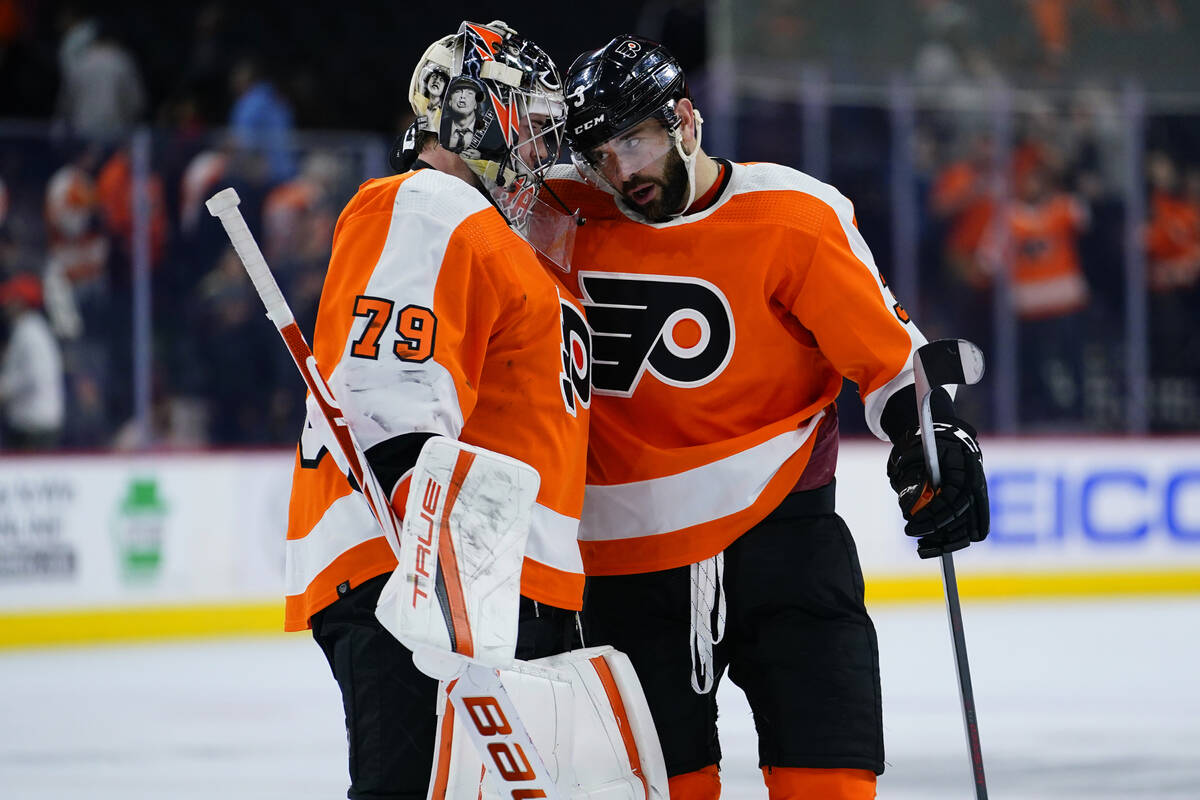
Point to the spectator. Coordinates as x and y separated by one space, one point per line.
77 299
953 69
1173 270
298 221
1173 233
261 120
31 370
1036 241
288 208
114 187
235 349
202 177
76 253
964 199
101 95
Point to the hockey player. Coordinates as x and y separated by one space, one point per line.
727 302
437 320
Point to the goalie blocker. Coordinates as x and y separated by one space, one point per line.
454 599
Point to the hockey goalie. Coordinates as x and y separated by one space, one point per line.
448 379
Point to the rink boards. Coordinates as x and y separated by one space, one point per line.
126 547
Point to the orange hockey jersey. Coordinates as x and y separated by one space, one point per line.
1043 256
436 318
719 344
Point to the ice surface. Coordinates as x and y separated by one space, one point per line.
1090 700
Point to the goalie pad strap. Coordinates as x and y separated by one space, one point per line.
449 583
445 735
614 699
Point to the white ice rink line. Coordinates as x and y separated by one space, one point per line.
1081 700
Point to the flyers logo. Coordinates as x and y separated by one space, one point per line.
678 329
576 375
629 48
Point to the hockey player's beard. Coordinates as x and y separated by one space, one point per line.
673 186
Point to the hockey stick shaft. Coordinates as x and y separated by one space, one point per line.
937 352
490 692
224 206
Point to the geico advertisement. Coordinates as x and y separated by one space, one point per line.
1055 504
120 530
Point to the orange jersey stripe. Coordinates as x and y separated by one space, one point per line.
697 542
357 565
554 587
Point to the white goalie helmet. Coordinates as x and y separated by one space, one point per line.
495 99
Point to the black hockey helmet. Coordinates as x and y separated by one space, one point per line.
612 89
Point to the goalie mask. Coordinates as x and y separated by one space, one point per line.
495 99
621 119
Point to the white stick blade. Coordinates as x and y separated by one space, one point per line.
971 358
949 361
222 201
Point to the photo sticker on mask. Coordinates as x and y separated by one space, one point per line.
434 80
463 114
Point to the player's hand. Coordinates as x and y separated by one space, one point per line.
954 515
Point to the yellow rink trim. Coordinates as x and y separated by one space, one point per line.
34 628
92 626
1032 586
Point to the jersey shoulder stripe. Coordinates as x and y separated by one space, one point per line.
442 201
777 195
445 197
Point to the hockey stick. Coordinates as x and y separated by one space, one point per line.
941 362
503 742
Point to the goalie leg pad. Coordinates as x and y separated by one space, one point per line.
587 716
458 582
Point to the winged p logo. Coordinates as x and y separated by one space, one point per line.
679 329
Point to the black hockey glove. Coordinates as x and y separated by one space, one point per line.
957 513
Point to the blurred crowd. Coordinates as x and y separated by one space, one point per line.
102 190
81 218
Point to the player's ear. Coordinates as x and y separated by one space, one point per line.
687 122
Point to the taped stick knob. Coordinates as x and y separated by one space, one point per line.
222 201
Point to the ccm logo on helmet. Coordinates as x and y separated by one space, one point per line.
591 123
576 375
678 329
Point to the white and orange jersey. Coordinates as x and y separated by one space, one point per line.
437 319
1043 256
720 340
